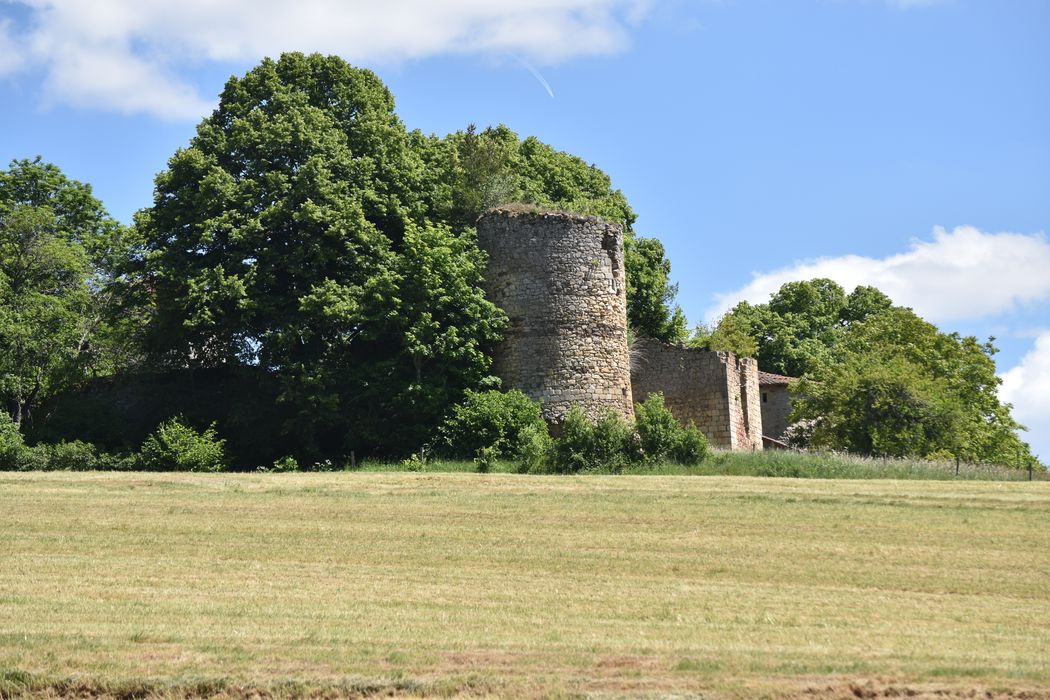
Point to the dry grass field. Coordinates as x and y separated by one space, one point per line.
352 584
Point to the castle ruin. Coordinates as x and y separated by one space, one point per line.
560 279
717 391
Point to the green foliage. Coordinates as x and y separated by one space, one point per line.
178 447
691 446
486 459
492 167
730 334
492 420
73 456
663 438
300 232
58 252
11 442
606 445
651 310
803 321
657 427
534 449
284 465
897 386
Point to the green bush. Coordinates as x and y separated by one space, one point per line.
283 465
534 450
34 459
117 463
11 443
177 447
690 447
74 456
485 461
607 445
490 420
658 429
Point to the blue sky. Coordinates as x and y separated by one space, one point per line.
901 143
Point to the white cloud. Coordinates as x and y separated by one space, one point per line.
11 57
961 274
126 54
1027 387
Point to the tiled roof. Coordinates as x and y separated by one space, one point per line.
770 379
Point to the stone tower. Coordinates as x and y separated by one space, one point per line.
560 279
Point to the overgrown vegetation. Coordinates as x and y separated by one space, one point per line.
307 286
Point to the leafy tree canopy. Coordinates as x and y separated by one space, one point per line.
58 249
796 330
297 234
897 386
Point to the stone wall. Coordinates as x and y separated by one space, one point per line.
560 279
776 407
715 390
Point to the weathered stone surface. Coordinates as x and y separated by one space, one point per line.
560 279
717 391
776 407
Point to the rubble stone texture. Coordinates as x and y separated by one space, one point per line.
560 279
717 391
776 407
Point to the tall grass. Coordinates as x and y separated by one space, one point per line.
776 463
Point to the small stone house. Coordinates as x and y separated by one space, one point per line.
776 403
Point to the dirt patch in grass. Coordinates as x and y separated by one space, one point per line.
878 689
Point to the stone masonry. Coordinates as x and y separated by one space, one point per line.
717 391
776 403
560 279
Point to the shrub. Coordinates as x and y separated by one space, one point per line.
178 447
33 459
11 443
491 420
658 429
606 445
534 449
74 456
485 461
117 463
690 447
572 447
283 465
614 443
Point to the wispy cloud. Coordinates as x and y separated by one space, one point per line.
960 274
11 57
1027 387
129 55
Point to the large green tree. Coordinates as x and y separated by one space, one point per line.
895 385
802 322
58 252
296 235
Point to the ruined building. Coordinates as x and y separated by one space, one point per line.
560 279
776 403
717 391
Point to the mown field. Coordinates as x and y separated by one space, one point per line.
258 585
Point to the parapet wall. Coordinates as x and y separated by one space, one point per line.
717 391
560 279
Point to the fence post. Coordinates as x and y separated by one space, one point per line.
1029 472
956 465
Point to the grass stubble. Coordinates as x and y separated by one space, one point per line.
361 584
